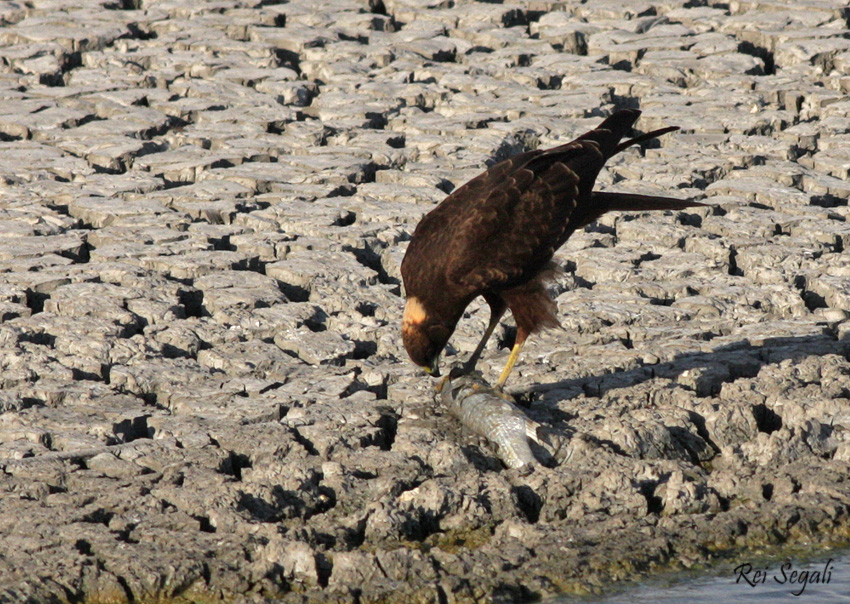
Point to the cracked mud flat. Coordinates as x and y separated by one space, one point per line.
203 210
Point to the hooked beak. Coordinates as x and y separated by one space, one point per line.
433 369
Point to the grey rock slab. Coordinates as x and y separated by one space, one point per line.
755 224
307 134
698 18
226 293
664 109
306 269
678 67
331 383
623 46
777 37
101 211
293 38
261 112
834 162
222 199
184 108
824 189
560 27
41 59
40 125
204 190
266 245
109 465
254 358
253 146
67 245
773 300
168 238
424 95
333 165
130 183
129 252
194 264
830 230
832 289
33 219
13 12
334 430
219 136
818 51
653 235
756 188
769 147
30 161
264 177
334 106
33 362
111 103
321 69
113 156
186 164
315 348
156 312
158 377
488 37
391 203
97 300
66 30
266 323
136 122
174 338
297 217
776 262
682 267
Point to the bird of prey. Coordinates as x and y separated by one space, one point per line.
495 237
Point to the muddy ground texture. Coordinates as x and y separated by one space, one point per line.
203 210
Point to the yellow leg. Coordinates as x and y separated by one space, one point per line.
511 362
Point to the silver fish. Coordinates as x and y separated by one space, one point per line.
491 413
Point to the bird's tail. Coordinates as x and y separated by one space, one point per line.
610 132
609 201
644 137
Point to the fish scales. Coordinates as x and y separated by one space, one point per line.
488 412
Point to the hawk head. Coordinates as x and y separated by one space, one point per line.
424 336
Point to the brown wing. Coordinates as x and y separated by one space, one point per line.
503 226
513 223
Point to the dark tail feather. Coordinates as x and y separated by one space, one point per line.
618 122
644 137
610 201
631 202
610 131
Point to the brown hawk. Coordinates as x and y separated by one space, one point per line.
495 237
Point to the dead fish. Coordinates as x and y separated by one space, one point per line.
491 413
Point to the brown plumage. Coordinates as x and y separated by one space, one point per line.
495 237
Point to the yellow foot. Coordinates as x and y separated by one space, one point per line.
509 365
